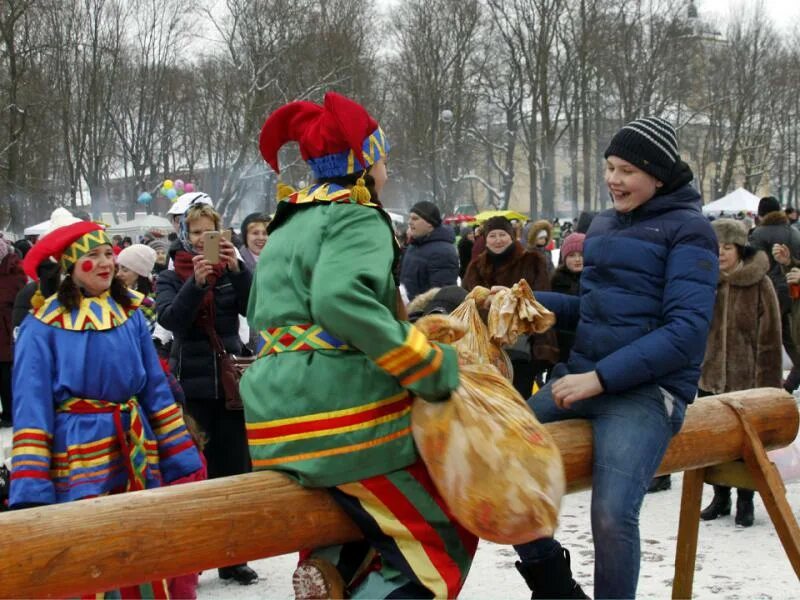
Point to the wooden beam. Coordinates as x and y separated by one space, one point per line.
102 543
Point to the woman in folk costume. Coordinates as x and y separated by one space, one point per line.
93 413
329 399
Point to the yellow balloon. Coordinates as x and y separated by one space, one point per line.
167 185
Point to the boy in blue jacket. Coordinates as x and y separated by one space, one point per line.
642 318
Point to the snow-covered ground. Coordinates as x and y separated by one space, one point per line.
732 562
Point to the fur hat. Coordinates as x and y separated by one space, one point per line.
572 243
730 231
336 138
650 144
498 223
138 258
428 211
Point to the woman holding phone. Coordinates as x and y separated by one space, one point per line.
203 298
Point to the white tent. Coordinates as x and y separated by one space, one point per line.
735 202
141 225
37 229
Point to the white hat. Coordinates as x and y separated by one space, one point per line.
59 218
138 258
184 201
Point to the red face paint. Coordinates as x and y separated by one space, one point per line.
87 266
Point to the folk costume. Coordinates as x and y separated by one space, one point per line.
94 414
329 399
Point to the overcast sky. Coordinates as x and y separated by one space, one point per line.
784 12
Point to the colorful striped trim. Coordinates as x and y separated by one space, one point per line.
131 441
30 457
324 192
98 313
293 338
83 245
374 147
330 423
269 462
415 359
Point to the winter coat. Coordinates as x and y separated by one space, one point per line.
192 359
775 229
647 296
430 261
464 254
12 280
520 264
744 345
565 281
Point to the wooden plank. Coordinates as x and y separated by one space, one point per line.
732 474
688 529
102 543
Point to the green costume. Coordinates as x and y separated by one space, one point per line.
329 400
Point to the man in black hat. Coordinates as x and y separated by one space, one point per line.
431 259
773 232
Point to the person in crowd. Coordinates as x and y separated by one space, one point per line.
479 244
178 208
12 280
161 246
126 241
556 236
465 245
772 232
326 305
791 214
566 279
504 263
135 270
539 237
431 259
87 376
22 247
48 276
645 306
197 302
436 301
744 345
254 238
585 219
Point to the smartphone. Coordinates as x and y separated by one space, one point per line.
227 235
211 246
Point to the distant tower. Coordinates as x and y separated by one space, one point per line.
692 12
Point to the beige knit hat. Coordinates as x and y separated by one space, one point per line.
138 258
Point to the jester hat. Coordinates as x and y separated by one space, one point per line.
336 139
66 245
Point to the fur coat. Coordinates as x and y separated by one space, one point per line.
520 264
744 344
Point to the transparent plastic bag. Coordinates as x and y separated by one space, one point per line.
494 464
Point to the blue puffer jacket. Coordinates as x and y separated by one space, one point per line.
430 262
647 296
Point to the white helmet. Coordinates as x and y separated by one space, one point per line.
184 201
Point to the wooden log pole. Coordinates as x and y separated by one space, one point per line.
103 543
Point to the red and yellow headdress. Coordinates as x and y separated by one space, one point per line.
66 245
337 138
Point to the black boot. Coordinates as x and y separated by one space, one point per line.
659 484
241 574
720 505
551 577
744 508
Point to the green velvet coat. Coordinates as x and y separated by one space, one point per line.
329 417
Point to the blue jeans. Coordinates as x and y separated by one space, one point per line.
631 433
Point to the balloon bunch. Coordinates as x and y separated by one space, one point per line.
173 189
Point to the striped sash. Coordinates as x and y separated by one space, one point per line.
297 338
131 441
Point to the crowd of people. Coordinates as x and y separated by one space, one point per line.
655 306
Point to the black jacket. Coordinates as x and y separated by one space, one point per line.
430 262
565 281
775 229
192 359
